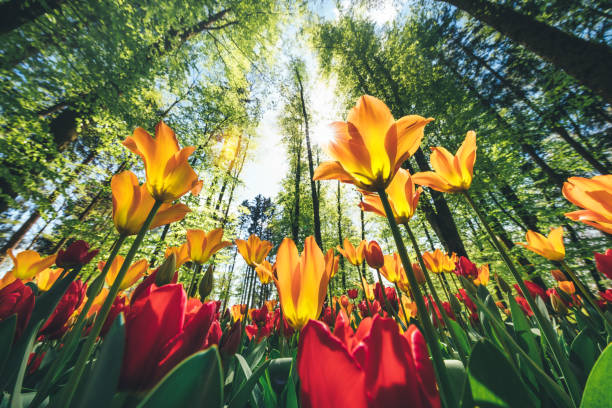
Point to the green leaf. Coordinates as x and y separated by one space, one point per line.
598 385
242 396
525 338
101 385
7 334
460 335
279 370
193 383
456 375
493 380
256 353
16 398
584 351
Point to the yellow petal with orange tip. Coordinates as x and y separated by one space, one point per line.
265 272
47 278
203 245
550 247
332 171
181 253
7 279
567 287
135 271
254 250
591 218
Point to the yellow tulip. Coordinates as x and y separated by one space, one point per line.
438 262
265 272
301 281
403 198
132 204
595 197
29 264
331 263
451 173
47 278
203 245
7 279
483 275
254 250
355 256
271 304
181 253
135 271
567 287
169 175
550 247
371 145
237 312
369 289
97 303
393 270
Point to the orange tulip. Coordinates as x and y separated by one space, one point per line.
393 270
29 264
271 304
181 253
550 247
558 275
302 281
135 271
132 204
169 175
369 289
203 245
354 255
7 279
370 146
373 255
331 263
97 303
452 173
47 278
265 272
438 262
403 198
237 312
567 287
595 197
254 251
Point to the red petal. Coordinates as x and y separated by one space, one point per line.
329 376
424 368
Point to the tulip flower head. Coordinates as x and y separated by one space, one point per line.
203 245
301 281
77 254
135 271
452 173
393 270
169 175
402 195
47 278
29 264
254 250
17 299
604 263
265 272
181 254
375 366
483 275
369 148
56 325
355 256
438 262
132 204
466 268
352 293
595 197
558 275
237 312
550 247
567 287
373 255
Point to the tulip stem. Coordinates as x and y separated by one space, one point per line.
196 271
431 336
71 342
585 292
399 300
68 391
365 294
432 289
544 324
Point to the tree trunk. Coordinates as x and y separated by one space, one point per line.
15 13
295 222
340 237
313 186
588 62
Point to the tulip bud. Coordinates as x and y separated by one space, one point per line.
344 301
503 284
558 275
418 274
557 303
352 293
96 287
567 287
206 285
75 255
374 256
230 341
165 272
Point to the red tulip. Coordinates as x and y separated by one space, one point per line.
160 333
524 305
17 298
373 255
374 367
119 305
77 254
466 268
230 341
369 308
604 263
534 290
352 293
391 296
462 296
56 326
282 327
261 326
214 335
